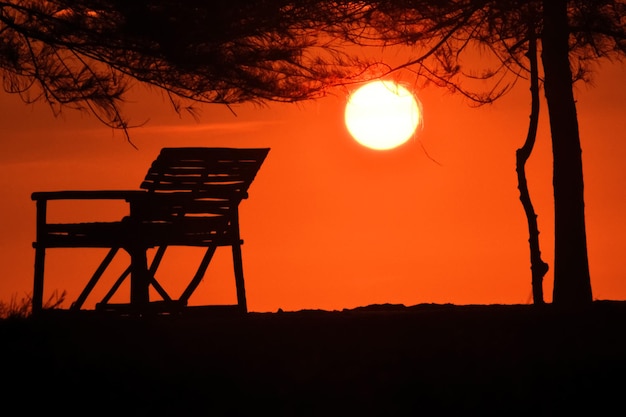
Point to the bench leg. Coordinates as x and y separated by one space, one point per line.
94 279
139 278
37 301
239 281
206 259
156 261
116 286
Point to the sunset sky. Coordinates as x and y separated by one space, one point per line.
330 224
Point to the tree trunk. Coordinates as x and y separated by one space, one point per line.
538 267
572 286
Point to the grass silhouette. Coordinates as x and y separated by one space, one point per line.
20 308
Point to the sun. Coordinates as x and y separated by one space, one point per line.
382 115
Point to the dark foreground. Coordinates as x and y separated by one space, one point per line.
382 360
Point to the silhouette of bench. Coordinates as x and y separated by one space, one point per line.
190 197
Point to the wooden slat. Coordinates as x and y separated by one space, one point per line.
204 168
94 279
217 185
88 195
194 168
173 211
197 278
216 180
200 167
215 153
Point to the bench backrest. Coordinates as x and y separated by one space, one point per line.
205 171
200 181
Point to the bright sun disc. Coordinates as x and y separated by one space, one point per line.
382 115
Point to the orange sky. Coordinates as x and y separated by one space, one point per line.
330 224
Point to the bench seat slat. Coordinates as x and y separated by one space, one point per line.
194 231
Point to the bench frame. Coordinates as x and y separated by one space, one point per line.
152 223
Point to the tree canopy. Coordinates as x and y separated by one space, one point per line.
446 35
85 53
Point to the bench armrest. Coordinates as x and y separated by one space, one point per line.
133 197
127 195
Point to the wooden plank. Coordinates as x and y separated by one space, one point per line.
203 167
116 285
197 278
211 183
215 153
94 279
202 170
88 195
181 197
171 214
111 228
238 266
40 257
139 276
194 202
209 207
225 189
90 235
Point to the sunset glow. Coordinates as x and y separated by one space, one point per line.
329 224
382 115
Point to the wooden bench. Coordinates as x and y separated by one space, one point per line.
190 197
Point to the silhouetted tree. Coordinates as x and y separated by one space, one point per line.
572 33
85 53
537 266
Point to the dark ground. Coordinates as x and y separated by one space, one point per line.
380 360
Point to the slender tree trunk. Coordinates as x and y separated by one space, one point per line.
572 285
537 266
